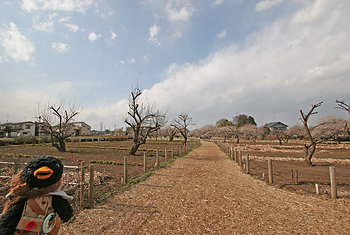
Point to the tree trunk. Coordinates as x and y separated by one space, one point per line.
185 143
280 140
308 153
134 148
171 138
62 145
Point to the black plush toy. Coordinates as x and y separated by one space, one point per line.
35 199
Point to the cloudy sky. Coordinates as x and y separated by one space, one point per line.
211 59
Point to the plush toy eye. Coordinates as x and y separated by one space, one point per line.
29 169
58 165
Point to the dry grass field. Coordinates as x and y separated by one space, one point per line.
107 157
287 159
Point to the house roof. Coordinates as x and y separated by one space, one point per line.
16 123
274 124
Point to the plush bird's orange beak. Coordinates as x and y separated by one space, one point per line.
43 173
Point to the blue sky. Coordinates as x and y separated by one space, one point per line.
211 59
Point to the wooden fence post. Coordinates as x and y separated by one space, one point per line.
333 182
172 151
157 158
317 189
166 155
91 184
247 170
144 162
82 179
269 163
125 170
240 158
15 165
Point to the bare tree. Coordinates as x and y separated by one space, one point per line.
143 118
297 131
346 107
309 149
58 122
331 127
228 132
181 123
206 131
251 131
171 132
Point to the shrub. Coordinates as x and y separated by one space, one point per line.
2 143
9 141
31 140
46 140
18 140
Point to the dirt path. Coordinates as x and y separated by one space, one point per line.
206 193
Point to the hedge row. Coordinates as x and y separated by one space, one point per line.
41 140
95 139
25 140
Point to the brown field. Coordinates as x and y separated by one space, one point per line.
285 158
109 174
288 157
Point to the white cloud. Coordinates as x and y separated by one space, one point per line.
282 68
145 59
121 61
72 27
266 4
61 47
29 5
93 37
179 10
65 19
222 34
154 31
113 36
217 2
15 44
46 25
113 113
132 60
56 5
177 34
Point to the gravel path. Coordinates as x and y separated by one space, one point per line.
206 193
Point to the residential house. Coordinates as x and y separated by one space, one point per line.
80 128
30 128
276 126
18 129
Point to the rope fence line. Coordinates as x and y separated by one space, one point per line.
174 151
81 182
236 155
